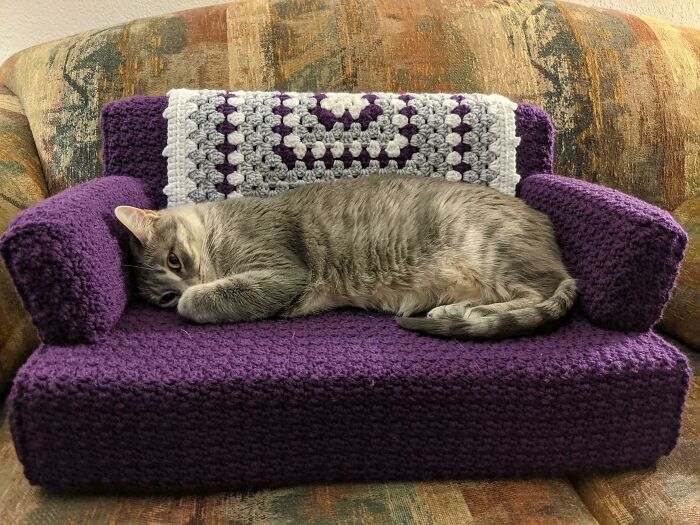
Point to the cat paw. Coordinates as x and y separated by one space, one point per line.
437 313
450 311
190 306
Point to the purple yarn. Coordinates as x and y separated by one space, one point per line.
282 129
308 159
364 158
328 159
66 257
409 130
281 110
461 110
347 158
624 253
462 148
287 155
134 134
324 117
369 114
160 405
347 120
226 147
462 129
535 154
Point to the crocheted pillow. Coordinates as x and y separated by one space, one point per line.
230 144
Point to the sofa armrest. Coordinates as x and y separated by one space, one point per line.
624 253
66 257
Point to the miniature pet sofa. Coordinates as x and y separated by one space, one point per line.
122 397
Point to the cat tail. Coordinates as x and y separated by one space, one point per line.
499 324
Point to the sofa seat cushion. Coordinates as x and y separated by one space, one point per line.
162 405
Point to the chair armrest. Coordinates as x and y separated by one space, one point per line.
66 258
624 253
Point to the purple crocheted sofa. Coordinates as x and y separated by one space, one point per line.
121 397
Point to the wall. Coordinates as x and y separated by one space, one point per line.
24 23
679 12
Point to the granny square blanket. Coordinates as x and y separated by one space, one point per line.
232 144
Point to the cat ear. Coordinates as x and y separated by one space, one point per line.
137 221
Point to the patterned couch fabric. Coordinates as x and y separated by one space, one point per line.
21 185
682 316
622 89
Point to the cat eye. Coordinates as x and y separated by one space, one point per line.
174 262
167 297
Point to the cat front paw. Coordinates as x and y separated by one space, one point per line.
192 304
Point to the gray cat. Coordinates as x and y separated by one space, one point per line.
480 263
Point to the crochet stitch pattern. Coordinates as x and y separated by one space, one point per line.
160 405
123 397
624 253
233 144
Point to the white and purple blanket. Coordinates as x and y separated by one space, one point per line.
230 144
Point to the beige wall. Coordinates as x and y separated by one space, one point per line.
680 12
24 23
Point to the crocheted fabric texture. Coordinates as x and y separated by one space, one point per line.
74 233
66 256
155 404
231 144
135 133
162 405
624 253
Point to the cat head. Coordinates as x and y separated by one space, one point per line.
166 249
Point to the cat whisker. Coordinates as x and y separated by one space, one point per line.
140 267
